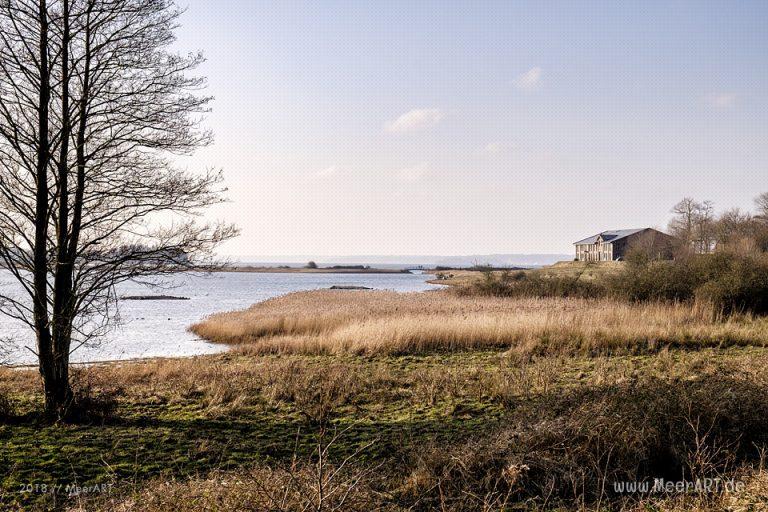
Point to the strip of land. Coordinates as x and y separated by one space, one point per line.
297 270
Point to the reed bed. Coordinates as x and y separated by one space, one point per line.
382 322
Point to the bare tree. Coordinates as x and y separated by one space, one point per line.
761 202
705 227
693 224
733 223
684 222
93 106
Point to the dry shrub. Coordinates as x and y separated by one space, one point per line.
227 389
223 386
573 448
6 408
264 489
431 386
506 383
317 392
93 400
19 380
220 386
525 379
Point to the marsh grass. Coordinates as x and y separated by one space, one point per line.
379 322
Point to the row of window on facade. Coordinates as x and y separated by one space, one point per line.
601 252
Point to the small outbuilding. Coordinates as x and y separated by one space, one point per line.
614 245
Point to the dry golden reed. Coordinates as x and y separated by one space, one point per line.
383 322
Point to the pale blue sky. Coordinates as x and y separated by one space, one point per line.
525 125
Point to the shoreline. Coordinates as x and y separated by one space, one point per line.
117 362
296 270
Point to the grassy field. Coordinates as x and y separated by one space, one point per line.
420 432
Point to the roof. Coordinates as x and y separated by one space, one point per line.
610 236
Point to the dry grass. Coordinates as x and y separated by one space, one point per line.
317 484
567 438
569 428
269 490
315 388
379 322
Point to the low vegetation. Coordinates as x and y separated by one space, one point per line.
379 322
727 282
457 432
578 371
584 271
534 284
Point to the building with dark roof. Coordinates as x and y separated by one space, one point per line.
614 245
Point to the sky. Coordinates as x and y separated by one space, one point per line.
452 128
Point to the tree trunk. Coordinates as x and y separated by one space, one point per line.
63 309
52 344
58 393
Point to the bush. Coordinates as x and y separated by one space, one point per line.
730 282
741 285
89 403
6 408
529 284
654 281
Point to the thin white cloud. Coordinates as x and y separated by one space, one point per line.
411 174
327 172
529 80
492 148
415 120
721 99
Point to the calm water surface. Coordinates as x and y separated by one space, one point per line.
159 328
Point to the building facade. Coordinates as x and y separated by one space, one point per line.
614 245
